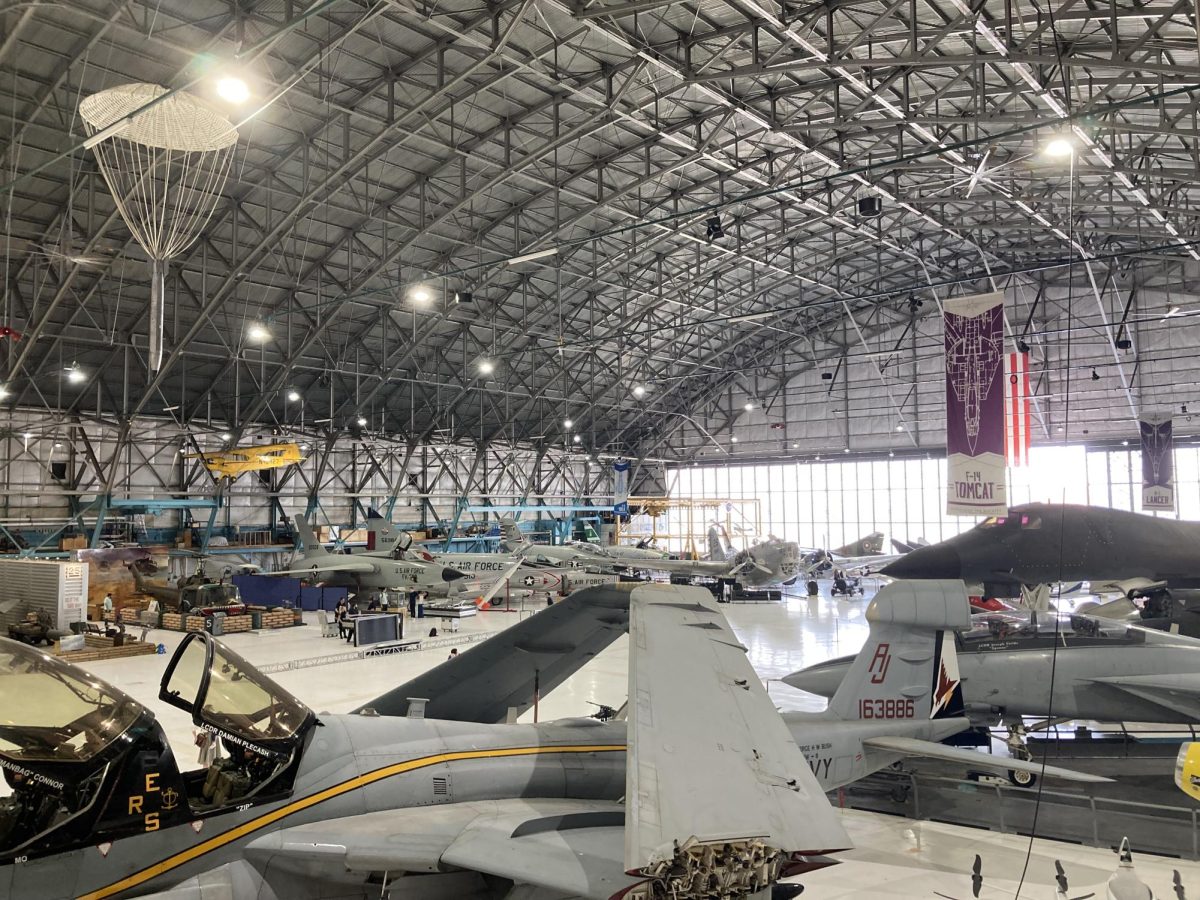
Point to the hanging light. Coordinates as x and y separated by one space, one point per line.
76 375
3 391
639 391
233 90
486 367
293 396
1060 146
361 421
567 423
226 436
733 440
258 332
577 439
421 294
749 406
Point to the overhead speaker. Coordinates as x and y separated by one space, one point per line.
713 228
1123 343
870 207
463 297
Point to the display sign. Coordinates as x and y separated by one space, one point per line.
621 487
1016 403
1158 463
974 336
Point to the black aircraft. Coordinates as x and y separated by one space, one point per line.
1153 561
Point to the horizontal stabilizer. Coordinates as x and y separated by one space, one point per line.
932 750
709 758
482 683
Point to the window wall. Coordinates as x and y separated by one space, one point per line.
832 503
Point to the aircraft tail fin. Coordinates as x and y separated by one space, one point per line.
310 546
908 669
511 538
869 545
718 544
381 533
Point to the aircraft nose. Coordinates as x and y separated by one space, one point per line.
936 561
449 574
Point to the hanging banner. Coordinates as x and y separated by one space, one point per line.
1016 403
1158 463
974 328
621 487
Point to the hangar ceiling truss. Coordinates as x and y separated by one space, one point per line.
398 147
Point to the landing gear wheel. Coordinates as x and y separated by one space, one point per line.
1022 779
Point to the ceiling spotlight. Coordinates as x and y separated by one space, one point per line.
1060 429
797 447
870 207
258 332
232 89
1095 374
1022 347
891 453
1060 146
226 436
639 391
304 446
463 297
749 406
4 392
361 422
733 440
817 457
567 423
1124 443
576 439
847 450
421 295
486 367
58 444
76 375
900 426
293 396
713 229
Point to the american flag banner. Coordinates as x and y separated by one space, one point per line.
1016 401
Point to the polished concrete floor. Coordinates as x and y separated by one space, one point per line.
895 857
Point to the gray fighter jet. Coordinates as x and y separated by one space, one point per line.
766 564
368 571
298 806
1140 556
1103 670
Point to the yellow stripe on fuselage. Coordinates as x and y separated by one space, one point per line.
240 831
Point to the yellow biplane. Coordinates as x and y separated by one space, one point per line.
237 461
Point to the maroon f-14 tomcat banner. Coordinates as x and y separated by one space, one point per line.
974 329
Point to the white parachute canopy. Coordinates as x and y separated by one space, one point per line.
165 156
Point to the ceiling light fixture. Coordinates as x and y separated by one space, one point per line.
258 332
421 295
733 440
749 406
567 423
3 392
639 391
530 257
232 89
576 439
76 375
486 367
293 396
1060 147
226 436
362 422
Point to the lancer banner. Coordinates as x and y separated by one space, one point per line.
621 487
974 328
1158 463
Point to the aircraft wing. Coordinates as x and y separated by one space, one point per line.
570 847
679 566
1180 693
699 716
488 679
933 750
333 564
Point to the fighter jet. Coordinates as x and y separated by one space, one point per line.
901 698
364 571
302 806
1103 670
1044 544
766 564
